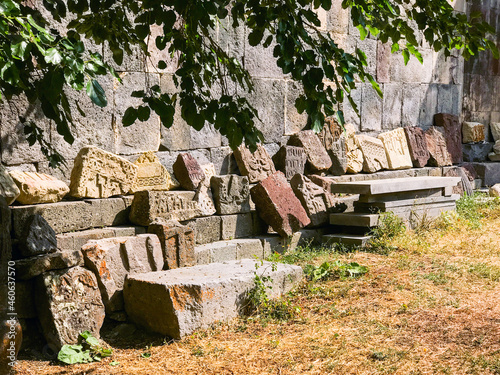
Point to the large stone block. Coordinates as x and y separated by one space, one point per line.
188 171
224 161
231 194
68 303
236 226
38 238
317 157
353 152
112 259
8 188
476 151
168 205
488 172
495 130
374 154
453 134
278 206
177 302
417 145
396 149
100 174
438 150
177 243
29 268
207 229
333 139
290 160
256 166
472 132
152 175
38 187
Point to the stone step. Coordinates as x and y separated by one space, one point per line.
177 302
405 203
75 240
346 239
354 219
222 251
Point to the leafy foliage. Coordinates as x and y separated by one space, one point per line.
88 350
43 63
336 269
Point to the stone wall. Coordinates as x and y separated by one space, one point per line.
412 94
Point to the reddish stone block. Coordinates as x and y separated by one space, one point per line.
317 157
188 171
453 134
418 146
438 151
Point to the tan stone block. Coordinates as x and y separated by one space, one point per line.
496 147
209 170
374 154
152 175
8 188
353 152
101 174
38 187
495 130
396 149
256 166
472 132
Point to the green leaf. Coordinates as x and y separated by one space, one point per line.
114 363
52 56
129 117
162 64
143 113
395 47
19 49
91 340
406 56
96 93
72 354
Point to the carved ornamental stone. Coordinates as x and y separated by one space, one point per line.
231 194
256 166
290 160
396 149
317 157
333 139
374 156
453 134
472 132
152 175
417 145
353 152
188 171
438 151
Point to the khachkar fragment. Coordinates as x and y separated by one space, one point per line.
278 206
188 171
112 259
38 187
417 145
353 152
396 149
8 188
374 156
290 160
152 175
452 133
439 155
317 202
205 200
177 243
209 171
101 174
333 139
169 205
472 132
68 302
317 157
231 194
256 166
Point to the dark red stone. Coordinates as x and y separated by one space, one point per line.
438 151
418 146
453 134
317 157
188 171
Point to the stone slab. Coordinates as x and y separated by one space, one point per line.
75 240
439 155
354 219
38 238
68 303
38 187
472 132
464 186
453 134
236 226
333 139
317 157
152 175
204 198
178 302
374 155
168 205
207 229
394 185
476 152
188 171
495 130
256 166
8 188
406 203
354 154
231 194
346 239
100 174
396 149
488 172
29 268
417 145
112 259
412 194
290 160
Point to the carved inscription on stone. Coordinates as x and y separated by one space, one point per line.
438 151
353 152
472 132
333 139
396 149
100 174
373 153
231 194
417 145
453 134
290 160
152 175
256 166
204 199
317 157
170 205
188 171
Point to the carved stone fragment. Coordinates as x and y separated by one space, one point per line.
317 157
374 156
472 132
417 145
231 194
38 187
290 160
438 151
100 174
188 171
8 188
396 149
353 152
333 139
256 166
204 199
38 237
495 131
152 175
452 133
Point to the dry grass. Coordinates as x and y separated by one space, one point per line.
430 307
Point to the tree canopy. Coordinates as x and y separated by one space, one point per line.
38 60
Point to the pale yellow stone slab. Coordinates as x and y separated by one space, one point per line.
374 154
353 152
152 175
38 187
396 149
472 132
8 188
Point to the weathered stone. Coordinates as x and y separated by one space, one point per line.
476 151
188 171
472 132
325 182
29 268
152 175
494 190
177 302
453 134
316 201
317 157
278 206
38 238
25 299
169 205
38 187
464 186
333 139
68 303
112 259
256 166
209 171
396 149
231 193
495 130
11 337
488 172
496 147
207 229
236 226
353 152
8 188
177 243
374 156
100 174
493 156
290 160
417 145
438 151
